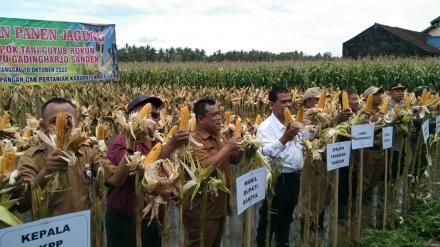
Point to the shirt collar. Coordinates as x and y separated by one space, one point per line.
203 133
277 122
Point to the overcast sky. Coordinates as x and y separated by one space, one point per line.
310 26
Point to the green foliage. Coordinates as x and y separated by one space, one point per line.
402 237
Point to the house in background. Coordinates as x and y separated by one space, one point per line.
382 40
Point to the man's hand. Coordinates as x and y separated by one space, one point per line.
179 139
55 162
343 116
290 132
232 145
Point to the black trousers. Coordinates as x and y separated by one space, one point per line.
121 231
283 204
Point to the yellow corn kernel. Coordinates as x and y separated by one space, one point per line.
321 102
146 110
369 103
300 114
154 154
4 121
287 115
345 104
184 118
170 133
424 98
237 129
258 120
407 103
227 118
100 132
61 129
8 162
193 124
384 107
27 134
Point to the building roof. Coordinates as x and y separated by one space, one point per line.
418 39
434 23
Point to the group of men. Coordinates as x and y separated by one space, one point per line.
281 143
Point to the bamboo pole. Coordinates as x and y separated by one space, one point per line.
349 200
334 211
139 207
165 233
385 203
359 196
248 225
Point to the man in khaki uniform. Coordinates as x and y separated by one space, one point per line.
218 152
39 162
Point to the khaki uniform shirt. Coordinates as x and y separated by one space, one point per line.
76 198
217 205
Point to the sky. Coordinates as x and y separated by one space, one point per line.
310 26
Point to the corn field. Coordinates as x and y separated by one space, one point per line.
242 91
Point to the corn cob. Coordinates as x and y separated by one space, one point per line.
287 115
345 104
4 121
237 129
369 103
153 155
424 98
100 132
321 102
227 118
61 129
384 106
170 133
258 120
396 109
8 162
407 103
184 118
146 111
300 114
27 134
193 124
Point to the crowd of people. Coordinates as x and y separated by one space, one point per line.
281 144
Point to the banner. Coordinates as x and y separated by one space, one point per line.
69 230
41 52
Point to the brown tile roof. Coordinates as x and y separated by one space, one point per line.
419 39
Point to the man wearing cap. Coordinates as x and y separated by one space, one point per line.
373 169
397 92
121 197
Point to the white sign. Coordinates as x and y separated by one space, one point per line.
251 188
387 137
437 123
69 230
363 136
425 130
338 155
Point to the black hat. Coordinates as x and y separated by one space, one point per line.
397 85
419 90
143 99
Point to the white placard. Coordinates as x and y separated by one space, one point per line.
437 124
387 137
338 155
69 230
363 136
251 188
425 130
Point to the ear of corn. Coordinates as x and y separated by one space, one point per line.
287 115
384 107
61 129
424 98
369 103
170 133
4 121
300 114
227 118
146 111
8 162
27 134
100 132
396 109
258 120
237 129
192 124
184 118
345 104
321 102
153 155
407 103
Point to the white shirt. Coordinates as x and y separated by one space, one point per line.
290 155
